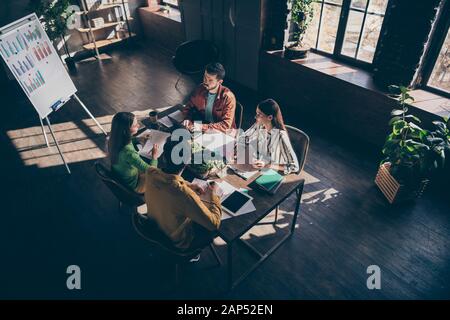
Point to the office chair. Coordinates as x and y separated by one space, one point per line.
149 230
191 57
238 115
122 193
300 144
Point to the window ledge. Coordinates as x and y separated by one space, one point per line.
174 14
424 100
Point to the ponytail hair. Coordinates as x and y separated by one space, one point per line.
271 108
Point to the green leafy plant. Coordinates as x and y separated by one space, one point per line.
302 13
207 165
413 152
54 15
439 141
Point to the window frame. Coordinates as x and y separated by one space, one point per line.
340 34
437 41
164 3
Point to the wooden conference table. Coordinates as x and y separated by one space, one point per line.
232 229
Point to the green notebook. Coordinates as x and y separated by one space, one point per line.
269 180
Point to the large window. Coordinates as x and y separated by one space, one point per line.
172 3
347 28
440 76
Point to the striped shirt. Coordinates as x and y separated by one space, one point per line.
272 147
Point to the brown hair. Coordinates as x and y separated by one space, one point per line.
120 134
271 108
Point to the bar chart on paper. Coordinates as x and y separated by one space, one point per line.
35 82
33 60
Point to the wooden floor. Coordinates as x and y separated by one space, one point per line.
50 220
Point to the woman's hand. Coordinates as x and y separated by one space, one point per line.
259 164
155 151
143 139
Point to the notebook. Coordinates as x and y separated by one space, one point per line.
269 180
155 137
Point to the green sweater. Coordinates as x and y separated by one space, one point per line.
130 164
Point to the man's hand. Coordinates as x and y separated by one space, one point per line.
187 124
213 187
197 189
197 127
259 164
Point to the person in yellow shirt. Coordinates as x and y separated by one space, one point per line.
175 205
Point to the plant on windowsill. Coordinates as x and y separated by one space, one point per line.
302 13
411 153
54 16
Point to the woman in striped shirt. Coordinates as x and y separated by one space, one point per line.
269 141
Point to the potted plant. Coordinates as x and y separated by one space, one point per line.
439 140
302 13
207 167
54 16
411 153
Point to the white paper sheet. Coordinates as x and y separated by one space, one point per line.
143 133
178 116
243 173
225 189
166 122
155 137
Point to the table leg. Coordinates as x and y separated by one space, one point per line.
299 193
230 265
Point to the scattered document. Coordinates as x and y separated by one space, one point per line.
165 121
224 189
155 137
243 173
177 116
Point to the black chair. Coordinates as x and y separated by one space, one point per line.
191 57
238 114
122 193
149 230
300 144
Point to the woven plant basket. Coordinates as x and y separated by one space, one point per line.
393 190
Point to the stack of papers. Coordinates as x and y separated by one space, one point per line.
166 122
225 189
177 116
155 137
244 174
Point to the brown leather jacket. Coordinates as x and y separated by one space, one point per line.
223 109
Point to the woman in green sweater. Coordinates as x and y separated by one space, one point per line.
125 160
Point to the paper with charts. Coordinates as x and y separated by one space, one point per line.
35 64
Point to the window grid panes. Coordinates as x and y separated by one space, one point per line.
440 76
173 3
361 33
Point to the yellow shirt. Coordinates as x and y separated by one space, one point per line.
175 206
